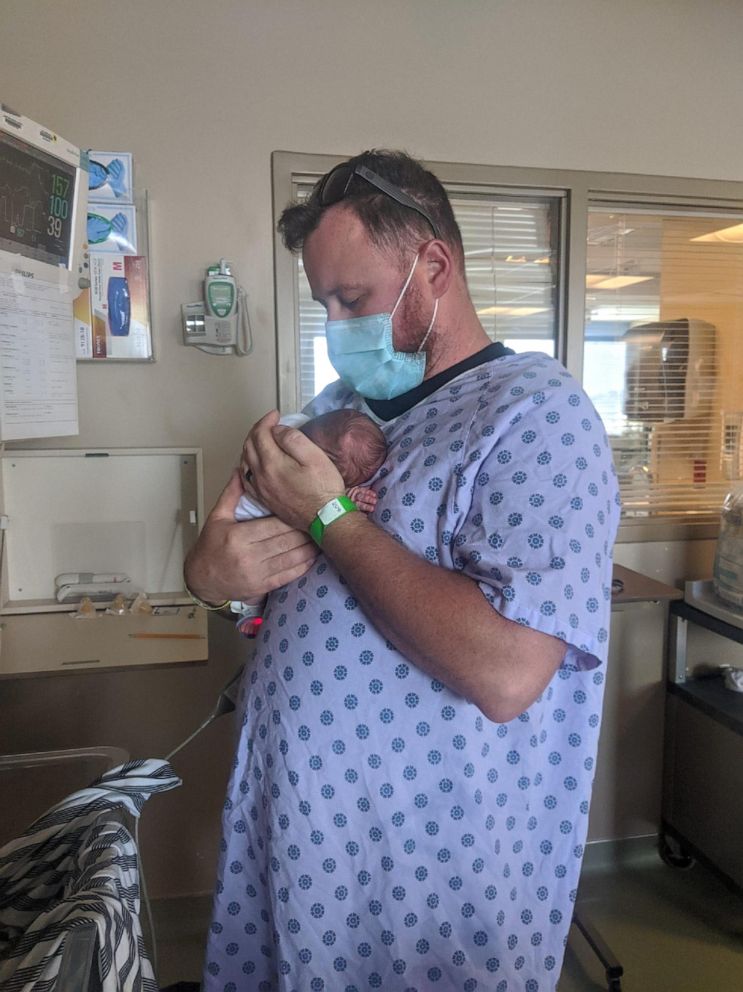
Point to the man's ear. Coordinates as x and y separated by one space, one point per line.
438 266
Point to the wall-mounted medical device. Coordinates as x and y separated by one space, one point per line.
43 197
220 323
43 266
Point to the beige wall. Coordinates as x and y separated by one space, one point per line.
202 93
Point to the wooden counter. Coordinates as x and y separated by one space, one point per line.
639 588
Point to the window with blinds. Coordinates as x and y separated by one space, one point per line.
662 354
511 247
657 340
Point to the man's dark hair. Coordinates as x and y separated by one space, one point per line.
390 225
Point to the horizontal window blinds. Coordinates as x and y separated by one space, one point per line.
663 354
511 261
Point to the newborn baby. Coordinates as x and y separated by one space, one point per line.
356 446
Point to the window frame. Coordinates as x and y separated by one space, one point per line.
579 191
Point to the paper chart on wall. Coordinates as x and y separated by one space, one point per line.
38 375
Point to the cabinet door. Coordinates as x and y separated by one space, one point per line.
627 788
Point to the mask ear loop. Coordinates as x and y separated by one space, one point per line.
407 283
430 326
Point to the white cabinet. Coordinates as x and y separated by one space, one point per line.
133 511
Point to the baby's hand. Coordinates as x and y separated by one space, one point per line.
364 498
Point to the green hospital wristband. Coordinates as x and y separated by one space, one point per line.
333 510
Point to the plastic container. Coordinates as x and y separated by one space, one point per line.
727 573
32 783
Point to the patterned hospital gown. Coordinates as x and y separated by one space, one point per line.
379 831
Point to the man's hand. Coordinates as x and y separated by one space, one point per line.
244 560
290 474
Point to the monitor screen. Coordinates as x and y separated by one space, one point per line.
37 195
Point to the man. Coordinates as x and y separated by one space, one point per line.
410 795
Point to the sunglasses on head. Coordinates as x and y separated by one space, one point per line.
334 187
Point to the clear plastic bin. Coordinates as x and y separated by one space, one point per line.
727 572
31 783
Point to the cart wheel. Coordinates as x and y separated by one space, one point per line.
673 854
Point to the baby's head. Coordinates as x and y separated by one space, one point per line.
352 441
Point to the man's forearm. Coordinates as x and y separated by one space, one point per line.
441 622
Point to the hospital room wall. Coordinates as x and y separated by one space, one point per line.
202 94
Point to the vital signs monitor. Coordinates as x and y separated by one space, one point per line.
43 195
43 266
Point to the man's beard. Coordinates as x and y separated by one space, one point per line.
411 321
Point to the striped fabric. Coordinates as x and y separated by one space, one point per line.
77 866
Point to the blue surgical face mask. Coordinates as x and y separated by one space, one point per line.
362 353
